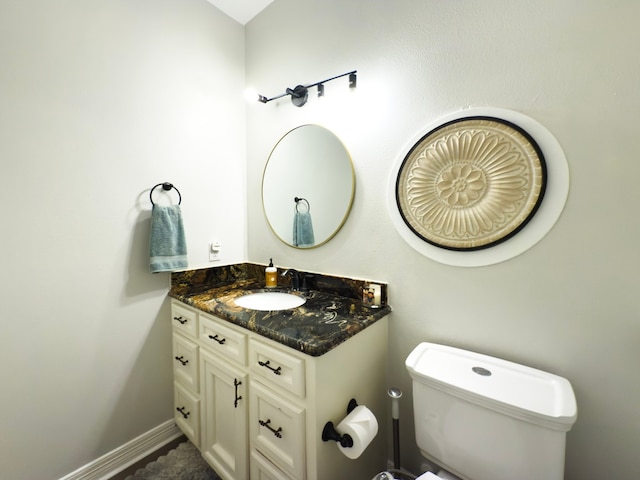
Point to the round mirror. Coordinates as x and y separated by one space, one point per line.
308 186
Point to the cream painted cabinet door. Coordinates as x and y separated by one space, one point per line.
225 438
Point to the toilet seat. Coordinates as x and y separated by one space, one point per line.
428 476
442 475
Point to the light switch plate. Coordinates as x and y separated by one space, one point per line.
214 251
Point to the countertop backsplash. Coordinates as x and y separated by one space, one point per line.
207 278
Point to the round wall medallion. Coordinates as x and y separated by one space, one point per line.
451 210
471 183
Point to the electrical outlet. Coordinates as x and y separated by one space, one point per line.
214 251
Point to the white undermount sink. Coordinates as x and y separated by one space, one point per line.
270 301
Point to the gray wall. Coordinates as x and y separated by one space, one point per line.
568 304
99 101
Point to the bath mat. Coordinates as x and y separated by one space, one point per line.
183 463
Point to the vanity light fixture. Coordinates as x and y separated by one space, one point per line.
300 94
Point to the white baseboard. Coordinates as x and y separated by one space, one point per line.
126 455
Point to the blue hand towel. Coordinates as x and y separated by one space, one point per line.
303 230
167 245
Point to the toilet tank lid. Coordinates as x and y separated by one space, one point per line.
517 390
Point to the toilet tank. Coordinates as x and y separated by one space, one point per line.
483 418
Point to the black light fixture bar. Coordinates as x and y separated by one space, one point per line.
300 93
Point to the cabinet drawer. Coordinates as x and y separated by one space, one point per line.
184 319
185 362
223 340
263 469
187 413
277 430
277 367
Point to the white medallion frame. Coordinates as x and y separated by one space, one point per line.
548 213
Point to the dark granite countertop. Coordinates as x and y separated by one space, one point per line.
323 322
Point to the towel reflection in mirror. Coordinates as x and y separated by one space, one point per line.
302 224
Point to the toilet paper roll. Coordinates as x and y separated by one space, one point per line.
361 425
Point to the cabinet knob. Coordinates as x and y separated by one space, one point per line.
182 360
217 339
236 383
266 424
182 411
267 364
180 320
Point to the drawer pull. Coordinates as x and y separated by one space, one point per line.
182 360
236 383
267 364
181 410
217 339
277 433
181 320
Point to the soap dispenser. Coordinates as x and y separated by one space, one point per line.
271 275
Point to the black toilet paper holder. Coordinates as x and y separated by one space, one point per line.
329 432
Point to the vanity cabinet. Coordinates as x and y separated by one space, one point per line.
263 405
186 360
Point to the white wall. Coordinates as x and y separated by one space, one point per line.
568 305
99 101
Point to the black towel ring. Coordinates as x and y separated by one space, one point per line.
300 199
165 186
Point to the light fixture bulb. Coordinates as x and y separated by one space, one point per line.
253 96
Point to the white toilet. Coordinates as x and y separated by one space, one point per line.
482 418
